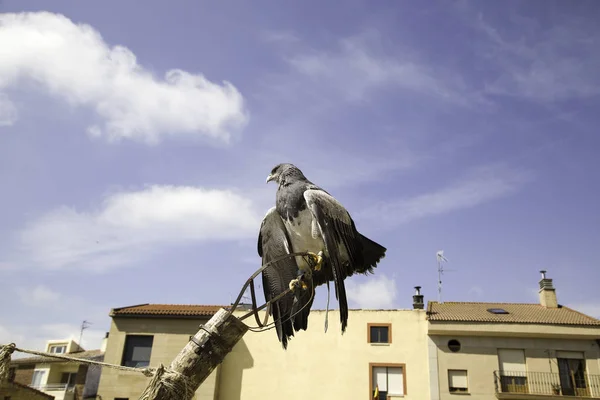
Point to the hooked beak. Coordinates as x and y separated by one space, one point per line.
270 178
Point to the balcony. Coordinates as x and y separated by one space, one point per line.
60 391
530 385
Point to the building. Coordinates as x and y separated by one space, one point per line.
11 390
57 378
514 351
150 334
371 352
482 350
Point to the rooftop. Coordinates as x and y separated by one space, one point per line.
186 310
525 313
24 388
86 355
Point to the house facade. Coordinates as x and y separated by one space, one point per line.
514 351
148 335
380 348
62 380
480 350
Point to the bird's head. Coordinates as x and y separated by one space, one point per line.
282 172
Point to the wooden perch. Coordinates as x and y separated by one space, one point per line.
200 356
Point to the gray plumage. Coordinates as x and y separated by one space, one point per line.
313 220
290 313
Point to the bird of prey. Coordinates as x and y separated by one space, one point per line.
308 218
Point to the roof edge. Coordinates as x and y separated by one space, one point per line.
112 310
25 387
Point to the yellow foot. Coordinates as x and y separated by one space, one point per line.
318 258
294 283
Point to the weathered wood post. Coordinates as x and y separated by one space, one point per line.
197 360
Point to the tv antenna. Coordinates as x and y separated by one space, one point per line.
84 325
440 258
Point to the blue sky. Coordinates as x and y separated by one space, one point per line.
135 139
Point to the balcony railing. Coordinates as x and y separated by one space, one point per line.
52 387
548 383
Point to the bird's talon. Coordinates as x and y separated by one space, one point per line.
318 259
294 284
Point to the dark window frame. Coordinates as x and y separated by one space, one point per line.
371 339
128 351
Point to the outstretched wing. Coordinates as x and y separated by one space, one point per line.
343 244
273 242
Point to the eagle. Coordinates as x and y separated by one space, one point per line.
306 218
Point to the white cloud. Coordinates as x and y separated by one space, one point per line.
73 63
39 296
131 224
16 336
378 291
35 337
8 112
543 65
356 68
5 267
279 37
481 186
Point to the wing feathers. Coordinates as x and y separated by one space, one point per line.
273 242
343 247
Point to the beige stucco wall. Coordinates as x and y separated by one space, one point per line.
479 356
57 369
319 365
316 365
170 336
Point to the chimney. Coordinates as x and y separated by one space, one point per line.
104 342
418 299
547 292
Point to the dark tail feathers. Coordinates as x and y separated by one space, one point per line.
285 324
372 253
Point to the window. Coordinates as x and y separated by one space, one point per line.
457 381
58 349
453 345
68 379
513 374
497 311
387 380
571 370
137 351
379 333
36 379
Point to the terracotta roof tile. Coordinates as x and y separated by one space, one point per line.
88 355
529 313
191 310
